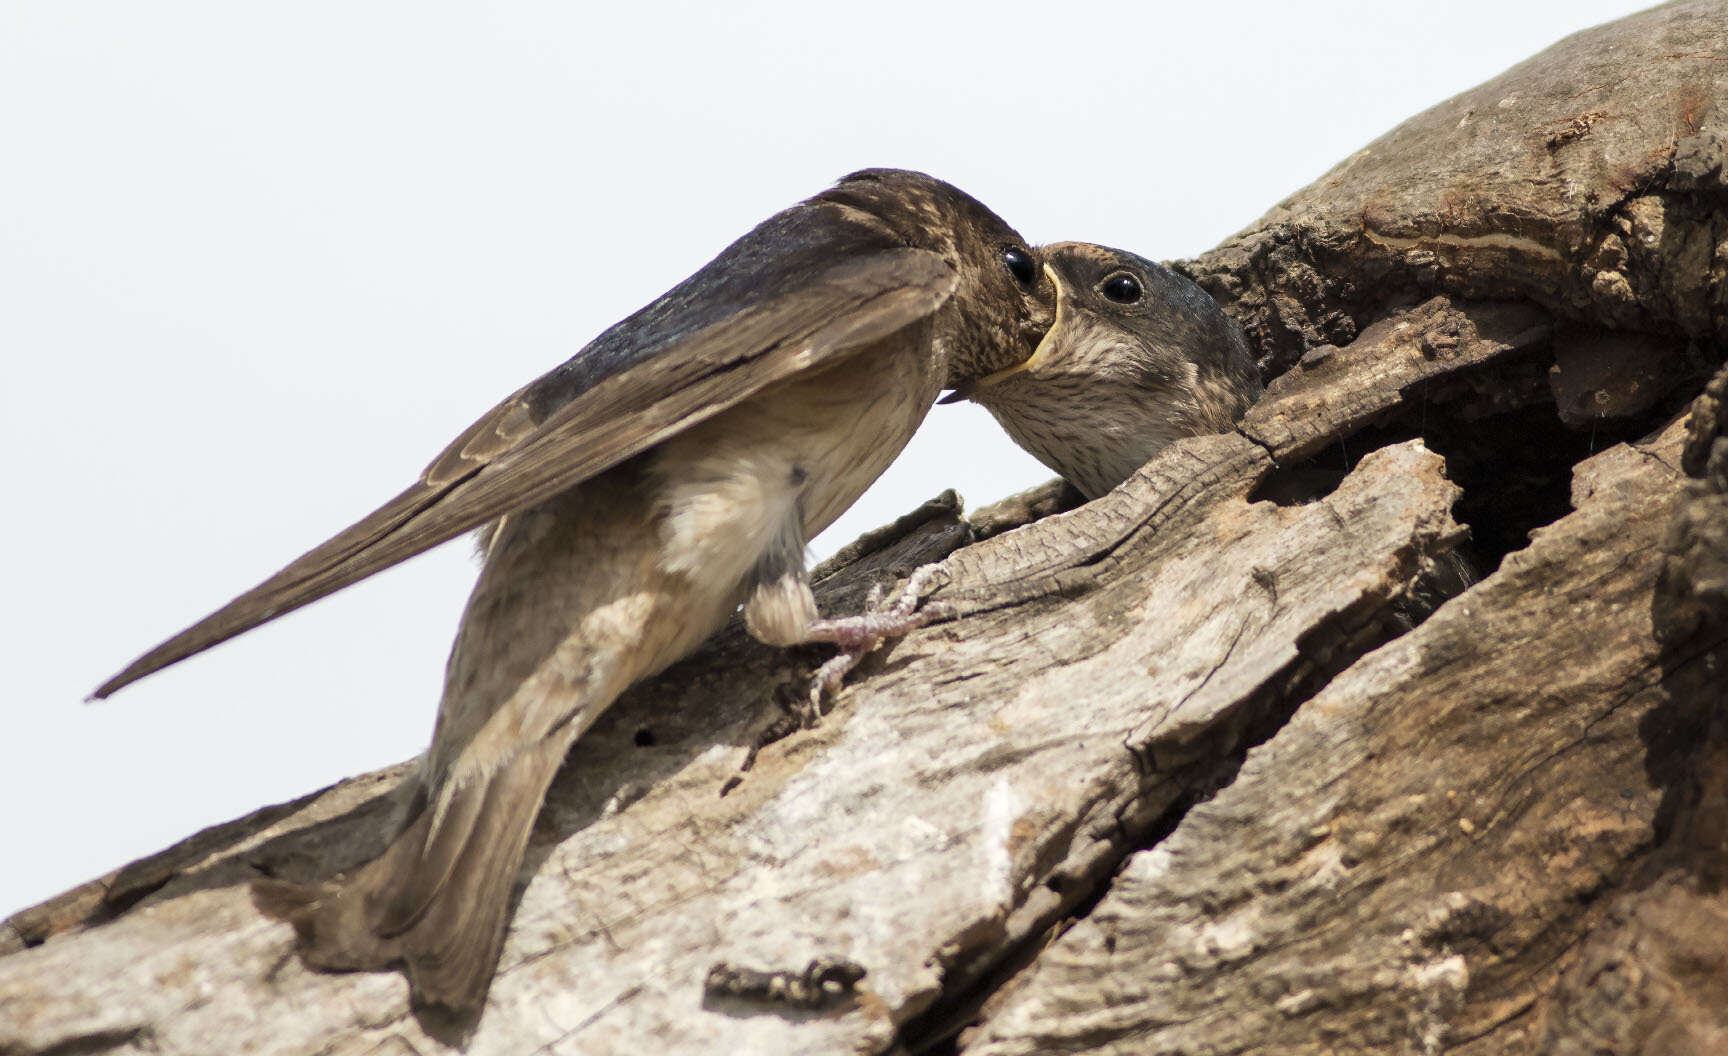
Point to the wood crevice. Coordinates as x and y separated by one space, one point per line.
1190 770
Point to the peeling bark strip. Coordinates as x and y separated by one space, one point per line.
1401 867
1190 772
996 813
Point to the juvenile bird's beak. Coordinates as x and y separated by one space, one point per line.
967 389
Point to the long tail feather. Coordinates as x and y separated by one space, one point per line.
437 899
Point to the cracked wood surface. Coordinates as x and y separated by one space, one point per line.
1503 830
1585 180
953 803
1506 831
1404 866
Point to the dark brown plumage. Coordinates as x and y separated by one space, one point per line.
668 472
1138 356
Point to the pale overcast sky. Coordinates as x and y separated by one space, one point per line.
259 262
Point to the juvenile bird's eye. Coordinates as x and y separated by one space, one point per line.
1121 288
1019 264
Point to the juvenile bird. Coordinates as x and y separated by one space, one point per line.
1137 357
636 495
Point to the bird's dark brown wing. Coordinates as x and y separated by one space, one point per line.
567 426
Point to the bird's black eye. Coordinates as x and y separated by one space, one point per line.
1019 264
1121 287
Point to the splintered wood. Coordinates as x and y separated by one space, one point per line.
1238 757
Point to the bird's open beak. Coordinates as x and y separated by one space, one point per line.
967 389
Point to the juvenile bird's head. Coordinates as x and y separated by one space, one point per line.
1136 357
1003 302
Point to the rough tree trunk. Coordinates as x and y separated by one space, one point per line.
1229 760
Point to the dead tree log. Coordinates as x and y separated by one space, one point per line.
1228 760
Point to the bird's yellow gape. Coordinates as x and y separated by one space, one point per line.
965 389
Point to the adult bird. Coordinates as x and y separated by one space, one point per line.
636 495
1137 357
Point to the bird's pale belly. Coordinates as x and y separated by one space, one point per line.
812 446
617 578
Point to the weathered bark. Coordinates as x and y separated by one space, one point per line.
1230 759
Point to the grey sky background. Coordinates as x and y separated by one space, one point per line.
258 263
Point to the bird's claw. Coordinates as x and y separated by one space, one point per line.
856 636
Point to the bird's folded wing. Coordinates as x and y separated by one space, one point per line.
522 452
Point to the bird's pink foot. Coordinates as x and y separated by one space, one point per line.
857 635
